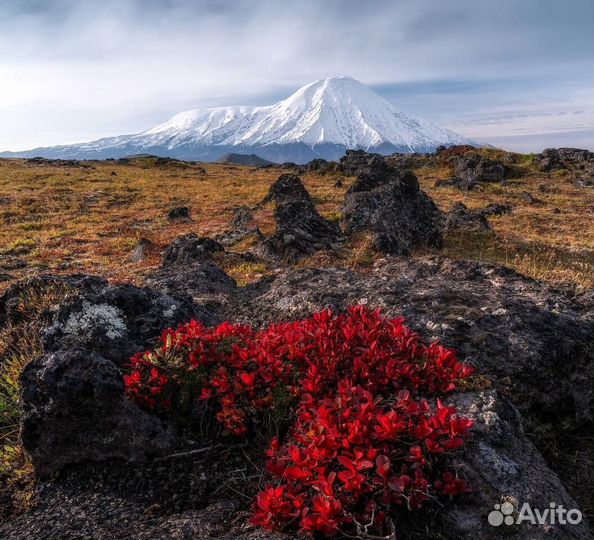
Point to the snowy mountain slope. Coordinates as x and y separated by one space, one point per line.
321 119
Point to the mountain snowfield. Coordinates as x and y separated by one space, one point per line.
321 119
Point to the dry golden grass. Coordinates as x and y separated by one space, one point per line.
535 240
88 219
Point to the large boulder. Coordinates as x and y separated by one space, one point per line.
354 161
503 468
190 248
202 281
43 287
549 160
461 218
117 321
579 162
243 225
472 169
74 409
533 341
388 203
301 231
287 188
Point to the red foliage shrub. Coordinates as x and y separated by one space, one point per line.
365 437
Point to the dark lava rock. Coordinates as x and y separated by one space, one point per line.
141 249
496 209
549 160
200 280
179 213
461 218
388 203
579 162
243 218
316 165
287 188
563 158
65 286
117 321
301 231
243 226
503 466
533 339
471 169
456 150
190 248
355 160
74 409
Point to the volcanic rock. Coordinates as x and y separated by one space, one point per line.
190 248
117 321
471 169
74 409
533 339
179 213
354 161
502 466
243 226
461 218
301 231
388 203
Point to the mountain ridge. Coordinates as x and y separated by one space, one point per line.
321 119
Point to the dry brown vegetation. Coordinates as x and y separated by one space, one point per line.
88 218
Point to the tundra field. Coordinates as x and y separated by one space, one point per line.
88 216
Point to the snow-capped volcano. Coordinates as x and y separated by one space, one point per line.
321 119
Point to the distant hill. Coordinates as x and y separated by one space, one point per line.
243 159
320 120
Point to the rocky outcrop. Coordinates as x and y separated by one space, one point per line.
243 226
533 341
579 162
74 410
288 188
117 321
190 248
66 287
203 281
388 203
354 161
471 169
301 231
461 218
179 213
503 467
563 158
529 343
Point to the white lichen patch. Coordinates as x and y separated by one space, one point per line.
96 315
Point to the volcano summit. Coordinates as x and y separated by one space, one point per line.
320 120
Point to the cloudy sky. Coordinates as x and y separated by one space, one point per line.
514 73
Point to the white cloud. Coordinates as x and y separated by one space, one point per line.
72 71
